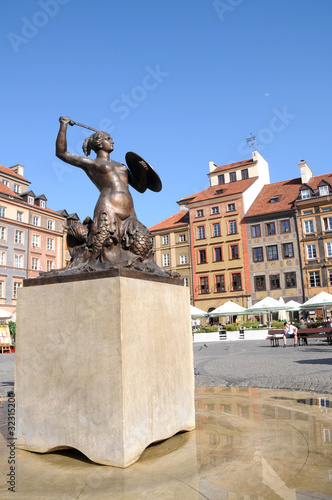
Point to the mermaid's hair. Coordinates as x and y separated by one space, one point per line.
94 142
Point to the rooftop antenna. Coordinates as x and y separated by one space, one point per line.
251 141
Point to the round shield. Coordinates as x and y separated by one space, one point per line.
144 176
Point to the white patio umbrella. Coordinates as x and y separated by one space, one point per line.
229 308
197 313
292 305
266 305
322 300
282 313
5 314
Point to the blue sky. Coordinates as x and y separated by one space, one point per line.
180 82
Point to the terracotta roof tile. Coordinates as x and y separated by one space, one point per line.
5 190
176 220
285 191
212 192
9 171
8 192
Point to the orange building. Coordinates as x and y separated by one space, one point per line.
217 239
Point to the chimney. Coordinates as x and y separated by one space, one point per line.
306 172
18 169
212 166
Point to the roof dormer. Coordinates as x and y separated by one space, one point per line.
29 197
41 200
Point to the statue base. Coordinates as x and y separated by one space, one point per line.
104 364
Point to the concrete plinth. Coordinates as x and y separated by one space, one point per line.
104 366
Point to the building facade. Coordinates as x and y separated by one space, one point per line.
171 246
314 217
31 235
273 243
217 239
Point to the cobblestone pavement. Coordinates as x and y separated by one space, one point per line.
253 363
247 363
6 373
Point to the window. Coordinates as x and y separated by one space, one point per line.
19 237
258 254
307 212
329 249
308 226
256 231
200 213
50 265
19 216
2 212
274 281
220 283
314 279
232 176
2 233
323 190
290 280
234 251
285 226
35 264
182 237
311 251
305 193
272 252
244 173
204 284
50 244
217 254
327 223
201 232
2 258
232 229
288 250
260 283
216 229
36 220
5 182
50 225
31 200
330 277
17 188
35 240
18 260
183 259
275 199
236 281
221 179
326 209
42 203
165 259
231 207
2 288
165 239
17 285
214 210
270 228
202 256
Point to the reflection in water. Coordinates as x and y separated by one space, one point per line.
247 444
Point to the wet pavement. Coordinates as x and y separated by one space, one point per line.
249 442
254 363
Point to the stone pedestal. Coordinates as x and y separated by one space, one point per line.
103 365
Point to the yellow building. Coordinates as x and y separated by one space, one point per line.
171 246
